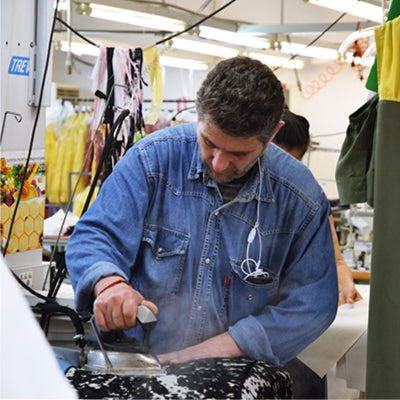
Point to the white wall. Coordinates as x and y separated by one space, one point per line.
339 93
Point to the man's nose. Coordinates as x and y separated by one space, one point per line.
220 161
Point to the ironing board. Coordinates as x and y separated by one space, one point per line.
212 378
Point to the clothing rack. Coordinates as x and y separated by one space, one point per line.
88 100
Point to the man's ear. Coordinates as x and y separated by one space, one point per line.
279 126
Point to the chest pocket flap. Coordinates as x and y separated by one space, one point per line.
165 242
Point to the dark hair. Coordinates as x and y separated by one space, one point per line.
294 134
242 97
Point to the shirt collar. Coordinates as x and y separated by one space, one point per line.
198 171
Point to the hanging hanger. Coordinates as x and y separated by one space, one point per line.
361 33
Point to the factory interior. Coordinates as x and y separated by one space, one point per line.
82 82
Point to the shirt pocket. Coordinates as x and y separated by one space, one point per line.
249 297
161 262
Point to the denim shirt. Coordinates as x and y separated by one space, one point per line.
159 222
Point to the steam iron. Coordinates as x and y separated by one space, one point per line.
116 353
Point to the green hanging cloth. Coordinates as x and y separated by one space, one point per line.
383 350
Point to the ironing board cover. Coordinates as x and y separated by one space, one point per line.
212 378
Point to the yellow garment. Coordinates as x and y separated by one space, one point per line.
70 137
58 162
51 142
80 200
153 67
81 134
387 38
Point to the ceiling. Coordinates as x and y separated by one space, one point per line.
296 21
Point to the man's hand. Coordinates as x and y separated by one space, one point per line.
222 345
349 294
116 307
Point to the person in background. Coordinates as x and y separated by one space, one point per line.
294 137
214 229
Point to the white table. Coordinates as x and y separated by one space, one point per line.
344 343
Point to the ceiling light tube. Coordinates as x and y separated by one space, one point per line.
311 51
235 38
353 7
80 48
203 48
136 18
183 63
274 61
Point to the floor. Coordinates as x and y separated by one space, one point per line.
337 388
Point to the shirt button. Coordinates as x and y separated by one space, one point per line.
250 297
159 250
199 308
208 261
216 213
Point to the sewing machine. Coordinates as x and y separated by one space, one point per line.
354 227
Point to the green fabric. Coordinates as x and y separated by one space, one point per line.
383 354
372 81
383 350
355 167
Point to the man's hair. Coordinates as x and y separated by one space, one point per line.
294 134
242 97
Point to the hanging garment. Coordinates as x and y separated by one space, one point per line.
117 82
383 349
372 82
81 134
355 167
53 194
71 142
155 80
65 154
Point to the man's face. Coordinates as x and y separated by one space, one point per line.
225 157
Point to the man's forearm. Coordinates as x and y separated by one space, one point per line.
222 345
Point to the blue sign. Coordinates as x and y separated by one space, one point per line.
19 66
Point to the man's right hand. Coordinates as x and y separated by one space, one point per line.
116 307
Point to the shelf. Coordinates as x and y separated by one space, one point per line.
361 275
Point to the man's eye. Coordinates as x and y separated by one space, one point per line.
208 143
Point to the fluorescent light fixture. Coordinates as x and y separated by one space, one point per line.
353 7
275 61
203 48
183 63
62 5
241 39
311 51
136 18
80 48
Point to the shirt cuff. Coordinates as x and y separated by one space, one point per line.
251 337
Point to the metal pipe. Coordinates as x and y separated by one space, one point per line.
68 62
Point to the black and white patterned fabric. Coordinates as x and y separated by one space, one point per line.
212 378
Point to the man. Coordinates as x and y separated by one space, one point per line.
212 227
